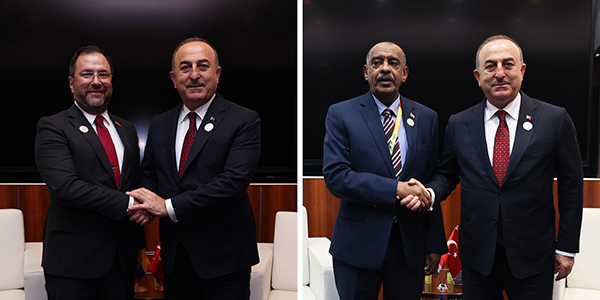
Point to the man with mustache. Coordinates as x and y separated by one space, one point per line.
375 143
199 160
89 159
506 152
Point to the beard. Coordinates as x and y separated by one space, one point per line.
93 103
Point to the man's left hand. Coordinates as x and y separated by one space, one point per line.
432 261
563 265
150 202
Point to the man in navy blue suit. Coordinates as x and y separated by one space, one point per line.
199 160
506 152
375 143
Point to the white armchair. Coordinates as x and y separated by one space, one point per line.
21 275
582 283
275 277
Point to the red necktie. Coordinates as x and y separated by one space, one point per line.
388 127
109 147
188 142
501 148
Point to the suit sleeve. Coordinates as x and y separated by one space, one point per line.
342 178
54 154
230 184
436 235
569 173
446 178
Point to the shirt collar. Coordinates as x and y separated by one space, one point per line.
92 118
511 109
200 111
381 107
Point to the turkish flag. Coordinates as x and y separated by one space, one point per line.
451 259
156 266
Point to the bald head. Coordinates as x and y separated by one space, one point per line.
385 70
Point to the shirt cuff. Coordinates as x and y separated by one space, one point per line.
432 198
567 254
131 202
170 210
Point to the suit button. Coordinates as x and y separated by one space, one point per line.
495 221
395 219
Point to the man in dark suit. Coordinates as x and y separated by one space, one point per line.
506 152
201 157
91 246
375 238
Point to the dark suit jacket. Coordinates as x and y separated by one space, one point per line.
546 151
358 169
86 225
211 199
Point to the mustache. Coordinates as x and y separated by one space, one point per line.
91 90
384 77
502 81
195 84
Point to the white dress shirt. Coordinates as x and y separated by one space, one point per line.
183 125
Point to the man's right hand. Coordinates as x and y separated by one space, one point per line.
413 195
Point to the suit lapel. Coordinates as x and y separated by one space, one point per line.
214 115
78 120
522 136
170 132
476 125
370 115
408 108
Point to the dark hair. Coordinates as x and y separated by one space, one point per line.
189 40
88 50
494 38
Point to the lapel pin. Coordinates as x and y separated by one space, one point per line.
212 118
528 117
412 115
410 122
527 126
117 123
83 129
209 127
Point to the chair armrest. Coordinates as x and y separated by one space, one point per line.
260 279
34 274
322 281
558 291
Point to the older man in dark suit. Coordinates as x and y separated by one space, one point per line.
199 160
506 152
373 144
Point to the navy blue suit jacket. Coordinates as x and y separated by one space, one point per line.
211 199
86 225
358 169
549 149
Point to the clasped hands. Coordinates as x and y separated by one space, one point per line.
146 206
413 195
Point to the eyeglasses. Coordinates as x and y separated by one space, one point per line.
102 75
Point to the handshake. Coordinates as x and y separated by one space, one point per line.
146 206
413 195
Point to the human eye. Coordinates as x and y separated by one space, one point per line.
376 63
394 63
204 66
103 75
184 68
86 74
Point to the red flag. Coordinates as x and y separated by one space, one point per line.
156 266
451 258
